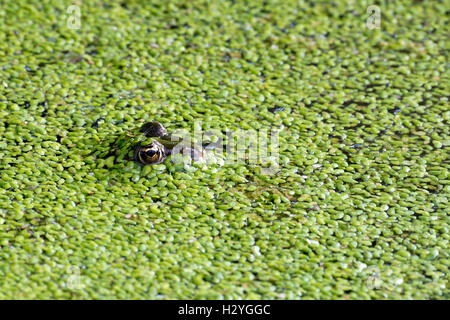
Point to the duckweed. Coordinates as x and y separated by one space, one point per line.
356 209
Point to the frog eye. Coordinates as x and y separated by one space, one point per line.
152 153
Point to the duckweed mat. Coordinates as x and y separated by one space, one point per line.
358 208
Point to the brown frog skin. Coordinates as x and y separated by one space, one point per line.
163 146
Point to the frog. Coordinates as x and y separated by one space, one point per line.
151 144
